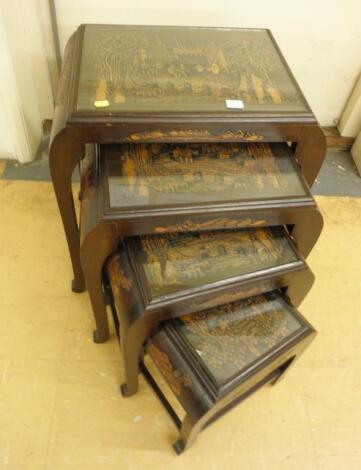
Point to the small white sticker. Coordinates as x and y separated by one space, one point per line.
101 103
234 104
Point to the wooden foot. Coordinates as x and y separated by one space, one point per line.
96 246
99 338
273 382
77 286
124 391
179 446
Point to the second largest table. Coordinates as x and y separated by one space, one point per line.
158 188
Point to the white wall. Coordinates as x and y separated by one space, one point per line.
23 24
321 39
13 133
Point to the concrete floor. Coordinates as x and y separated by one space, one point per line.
338 176
60 407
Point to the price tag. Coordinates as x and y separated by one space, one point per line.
101 103
234 104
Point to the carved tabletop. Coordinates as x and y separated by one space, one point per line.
150 69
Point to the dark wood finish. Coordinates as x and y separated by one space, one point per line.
73 128
139 313
102 226
188 204
333 137
212 360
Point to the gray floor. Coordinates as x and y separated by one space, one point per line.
338 175
38 170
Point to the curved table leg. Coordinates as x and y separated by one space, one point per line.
95 248
66 150
133 338
188 434
283 370
310 152
191 427
307 231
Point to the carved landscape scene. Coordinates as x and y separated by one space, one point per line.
230 337
175 262
181 69
160 174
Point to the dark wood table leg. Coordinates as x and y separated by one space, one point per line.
306 232
97 245
66 150
188 433
310 152
132 339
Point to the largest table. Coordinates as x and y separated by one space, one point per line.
140 84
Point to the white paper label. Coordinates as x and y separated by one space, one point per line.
234 104
101 103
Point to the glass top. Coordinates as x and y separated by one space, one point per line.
228 339
137 69
177 262
176 174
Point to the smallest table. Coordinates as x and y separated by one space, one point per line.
214 359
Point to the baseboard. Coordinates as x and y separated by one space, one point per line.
335 140
47 123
